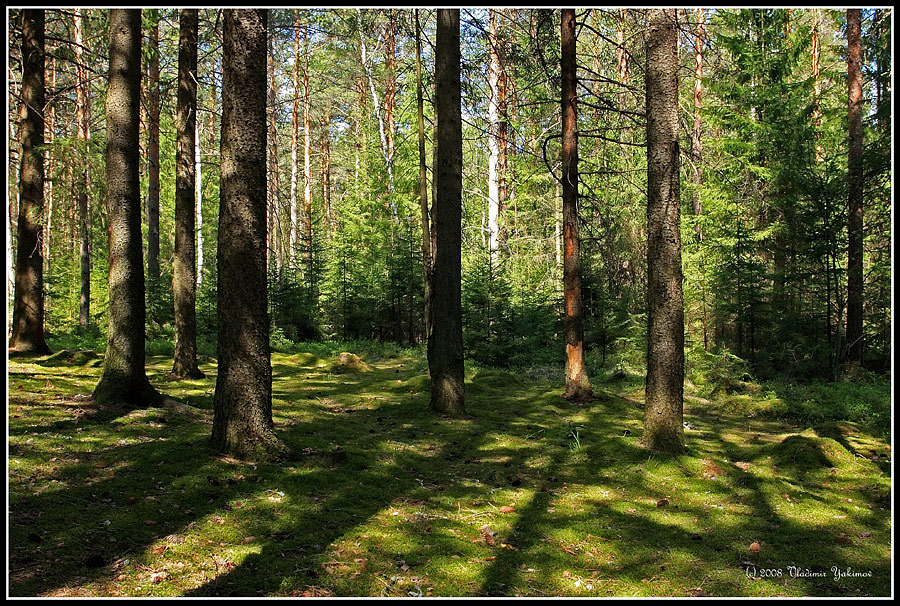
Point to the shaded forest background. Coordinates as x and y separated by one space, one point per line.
764 207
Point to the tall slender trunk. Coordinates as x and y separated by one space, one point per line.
696 140
153 155
578 386
198 194
445 347
272 180
83 121
382 132
817 86
50 128
28 302
390 85
307 150
423 182
183 279
242 421
295 145
855 176
326 167
124 377
665 310
494 69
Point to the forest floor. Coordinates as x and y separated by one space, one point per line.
528 495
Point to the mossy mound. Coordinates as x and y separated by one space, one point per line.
348 363
808 451
494 380
70 357
305 359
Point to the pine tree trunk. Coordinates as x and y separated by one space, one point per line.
83 122
295 147
28 302
423 183
855 170
445 346
696 139
153 157
124 378
307 163
326 167
184 280
663 409
578 386
242 422
272 180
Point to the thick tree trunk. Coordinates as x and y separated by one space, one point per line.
423 183
28 302
124 378
445 346
183 270
578 386
663 409
83 122
855 169
242 422
153 156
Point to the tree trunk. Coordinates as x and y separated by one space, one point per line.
578 386
494 70
423 182
123 377
665 314
817 87
242 422
326 167
696 140
307 165
445 346
83 122
295 146
183 269
28 302
272 180
153 156
198 194
855 169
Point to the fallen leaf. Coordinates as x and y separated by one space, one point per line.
102 464
157 577
754 547
567 574
865 535
507 509
662 502
488 534
743 465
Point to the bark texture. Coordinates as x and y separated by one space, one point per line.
124 378
663 410
242 423
578 386
184 272
855 176
445 346
28 301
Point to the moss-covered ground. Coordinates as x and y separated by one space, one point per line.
528 495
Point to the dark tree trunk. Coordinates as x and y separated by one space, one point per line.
153 157
83 121
242 423
665 331
578 387
184 268
28 302
423 182
855 168
696 139
124 378
445 346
